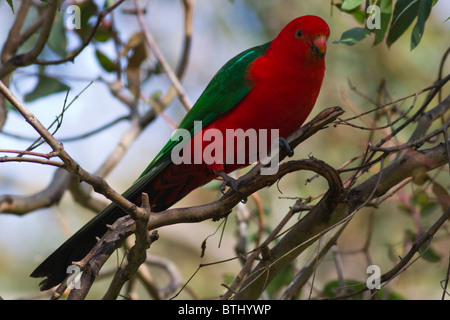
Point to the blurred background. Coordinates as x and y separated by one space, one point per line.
222 29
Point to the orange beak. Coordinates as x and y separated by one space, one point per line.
319 46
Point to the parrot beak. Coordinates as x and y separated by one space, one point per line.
319 46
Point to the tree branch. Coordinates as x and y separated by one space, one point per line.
247 184
136 255
106 246
98 183
306 230
20 205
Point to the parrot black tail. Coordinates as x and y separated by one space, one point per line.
54 268
172 186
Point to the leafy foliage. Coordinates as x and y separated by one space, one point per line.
335 288
45 86
354 35
11 4
376 18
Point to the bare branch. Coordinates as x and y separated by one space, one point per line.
28 58
305 273
119 231
32 160
20 205
414 143
137 254
70 164
429 117
82 194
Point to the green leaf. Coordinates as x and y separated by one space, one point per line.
352 36
422 16
425 205
428 254
87 10
57 40
281 280
334 288
228 278
385 17
107 64
45 87
101 35
351 4
420 198
405 11
356 13
108 3
11 5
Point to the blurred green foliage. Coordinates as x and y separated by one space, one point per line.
403 14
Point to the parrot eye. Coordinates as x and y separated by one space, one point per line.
298 33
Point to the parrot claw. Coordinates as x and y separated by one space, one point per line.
286 147
227 181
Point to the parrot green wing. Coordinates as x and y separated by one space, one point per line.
225 90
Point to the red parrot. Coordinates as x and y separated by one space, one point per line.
273 86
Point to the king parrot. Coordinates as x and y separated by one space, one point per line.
271 86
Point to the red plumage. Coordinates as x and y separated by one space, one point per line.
285 84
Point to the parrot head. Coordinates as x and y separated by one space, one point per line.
304 39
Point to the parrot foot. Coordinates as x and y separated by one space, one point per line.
286 146
227 181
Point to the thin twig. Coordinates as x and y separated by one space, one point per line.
151 43
404 262
99 184
414 143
